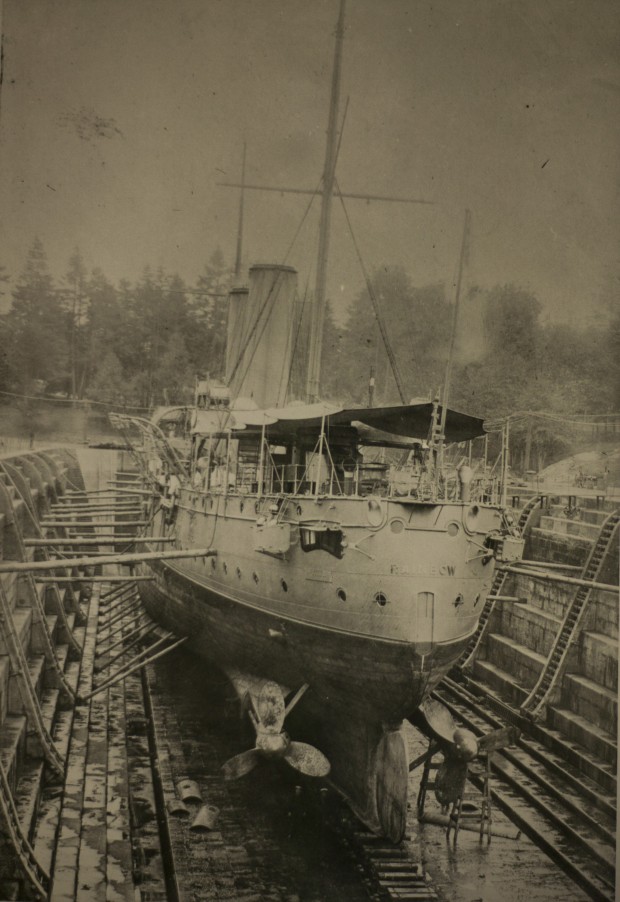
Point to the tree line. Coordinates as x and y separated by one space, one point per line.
143 343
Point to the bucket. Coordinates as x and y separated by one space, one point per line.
189 791
205 819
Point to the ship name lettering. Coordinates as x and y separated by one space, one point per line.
423 570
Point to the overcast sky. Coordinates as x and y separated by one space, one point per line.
119 117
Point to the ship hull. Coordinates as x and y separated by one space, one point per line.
377 679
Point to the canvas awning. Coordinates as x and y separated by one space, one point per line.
403 420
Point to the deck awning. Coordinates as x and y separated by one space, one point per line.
403 420
408 420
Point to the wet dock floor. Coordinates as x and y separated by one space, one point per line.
279 838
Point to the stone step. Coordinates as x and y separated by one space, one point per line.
582 731
22 620
49 705
42 590
9 584
549 598
598 659
566 527
590 700
36 669
5 672
549 546
529 626
523 664
501 682
604 619
28 793
51 680
38 643
13 746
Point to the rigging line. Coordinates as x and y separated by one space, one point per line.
268 298
295 343
72 401
300 323
375 306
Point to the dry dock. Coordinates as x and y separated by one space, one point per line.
91 784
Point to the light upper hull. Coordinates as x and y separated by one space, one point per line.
378 679
373 628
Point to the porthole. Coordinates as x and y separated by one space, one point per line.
397 526
381 599
342 595
453 529
284 585
299 510
213 564
255 577
238 572
241 506
225 567
458 601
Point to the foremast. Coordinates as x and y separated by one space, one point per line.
329 174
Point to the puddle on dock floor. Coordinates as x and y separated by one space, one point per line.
271 844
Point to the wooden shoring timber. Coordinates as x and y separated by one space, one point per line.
557 578
132 608
108 539
26 688
549 565
150 492
72 493
22 487
131 558
98 509
139 632
131 667
514 598
37 877
92 579
141 620
107 597
119 601
57 524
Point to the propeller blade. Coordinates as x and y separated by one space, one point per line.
270 707
307 759
439 719
498 739
240 765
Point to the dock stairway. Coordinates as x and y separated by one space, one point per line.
497 586
548 682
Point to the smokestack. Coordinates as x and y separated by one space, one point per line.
264 337
237 324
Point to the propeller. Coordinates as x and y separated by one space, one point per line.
267 714
459 746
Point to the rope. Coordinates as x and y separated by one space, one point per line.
250 335
375 306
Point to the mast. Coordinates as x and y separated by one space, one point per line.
455 319
240 223
329 171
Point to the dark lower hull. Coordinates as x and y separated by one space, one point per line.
360 691
374 679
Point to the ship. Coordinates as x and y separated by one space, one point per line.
350 551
